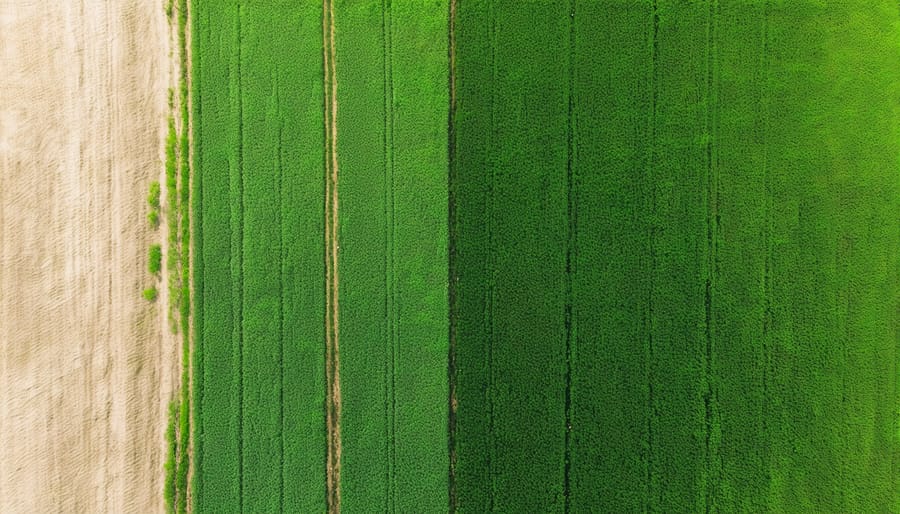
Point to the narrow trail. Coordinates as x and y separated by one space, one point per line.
451 252
332 353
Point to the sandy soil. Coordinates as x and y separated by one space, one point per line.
85 369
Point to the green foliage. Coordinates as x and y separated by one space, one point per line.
664 247
169 488
155 261
183 463
153 195
258 253
172 220
673 288
153 201
150 294
392 149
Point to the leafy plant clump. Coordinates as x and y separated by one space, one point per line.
150 294
155 259
153 201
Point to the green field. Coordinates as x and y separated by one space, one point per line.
590 256
391 68
259 363
259 387
675 234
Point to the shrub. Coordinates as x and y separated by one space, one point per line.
153 196
151 294
155 259
153 218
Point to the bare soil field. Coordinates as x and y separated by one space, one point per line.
86 367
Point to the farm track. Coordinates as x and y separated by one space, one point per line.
332 342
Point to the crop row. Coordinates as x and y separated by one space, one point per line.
391 143
259 246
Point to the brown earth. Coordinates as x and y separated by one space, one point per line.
86 369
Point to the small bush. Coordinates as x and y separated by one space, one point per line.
153 218
153 196
155 259
151 294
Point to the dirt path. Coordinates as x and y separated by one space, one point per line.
332 246
84 376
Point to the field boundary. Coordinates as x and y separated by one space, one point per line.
451 252
332 354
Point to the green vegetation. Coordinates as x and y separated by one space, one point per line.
150 294
172 216
169 487
155 261
184 302
392 152
670 267
510 185
153 201
673 277
258 278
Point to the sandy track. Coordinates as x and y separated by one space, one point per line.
332 244
84 374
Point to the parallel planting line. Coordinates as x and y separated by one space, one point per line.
571 246
451 252
390 289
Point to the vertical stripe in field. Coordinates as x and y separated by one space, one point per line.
677 185
261 308
332 352
529 239
419 162
738 136
359 65
471 184
392 64
835 191
805 286
612 110
198 39
237 244
452 231
217 452
709 141
295 30
571 255
390 280
259 275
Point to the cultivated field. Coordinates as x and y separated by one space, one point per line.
675 274
322 272
259 376
667 230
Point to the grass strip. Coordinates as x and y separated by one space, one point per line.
171 450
